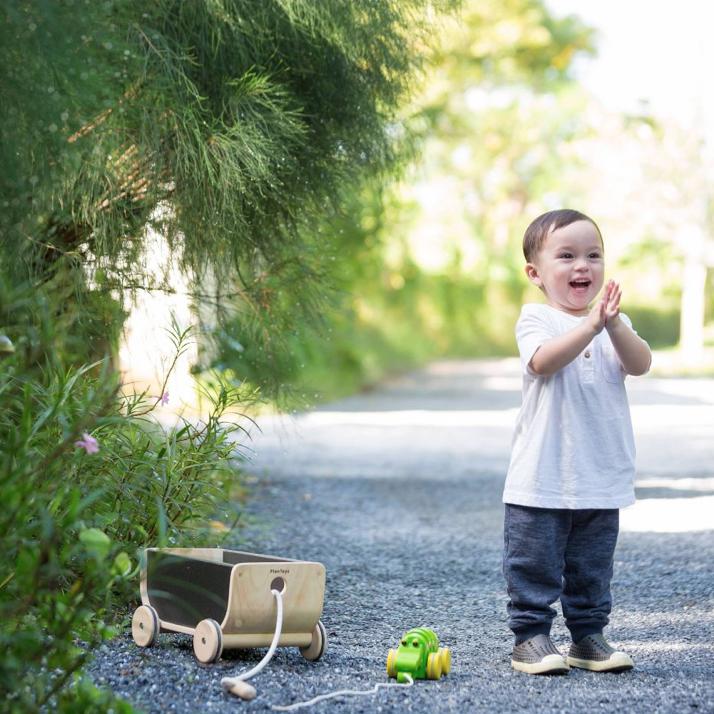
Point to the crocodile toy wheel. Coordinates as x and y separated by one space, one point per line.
433 666
317 646
392 663
208 641
445 657
145 626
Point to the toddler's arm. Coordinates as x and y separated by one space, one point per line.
633 351
555 353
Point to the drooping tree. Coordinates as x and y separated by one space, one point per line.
230 125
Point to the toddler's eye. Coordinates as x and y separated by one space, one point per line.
568 256
594 255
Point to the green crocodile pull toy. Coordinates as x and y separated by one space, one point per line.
418 656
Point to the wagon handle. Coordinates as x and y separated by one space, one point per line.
238 685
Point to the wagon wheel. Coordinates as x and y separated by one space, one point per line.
445 657
392 663
317 646
145 626
208 641
433 666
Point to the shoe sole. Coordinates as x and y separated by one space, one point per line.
618 662
550 664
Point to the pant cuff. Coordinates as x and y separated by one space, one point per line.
523 634
578 632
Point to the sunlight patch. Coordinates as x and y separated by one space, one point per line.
669 515
677 484
414 417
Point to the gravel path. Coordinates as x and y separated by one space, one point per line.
398 492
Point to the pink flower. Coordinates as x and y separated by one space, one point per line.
164 398
88 443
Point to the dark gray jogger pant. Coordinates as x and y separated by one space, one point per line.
552 553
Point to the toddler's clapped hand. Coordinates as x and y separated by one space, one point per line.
613 293
607 307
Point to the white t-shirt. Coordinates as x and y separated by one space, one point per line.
573 445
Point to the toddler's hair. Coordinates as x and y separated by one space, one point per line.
538 230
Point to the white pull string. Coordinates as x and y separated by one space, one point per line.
238 685
342 693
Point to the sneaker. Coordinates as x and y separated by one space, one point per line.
538 656
594 653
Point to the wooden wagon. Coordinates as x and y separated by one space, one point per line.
223 599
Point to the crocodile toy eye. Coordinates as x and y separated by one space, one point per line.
415 643
404 642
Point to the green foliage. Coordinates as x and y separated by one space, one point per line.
496 43
383 333
491 125
232 127
59 320
386 308
235 128
82 696
74 517
659 326
228 125
379 317
495 96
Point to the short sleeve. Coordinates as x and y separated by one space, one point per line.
627 321
532 330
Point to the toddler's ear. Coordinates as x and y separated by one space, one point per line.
532 273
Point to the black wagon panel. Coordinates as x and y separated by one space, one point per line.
186 590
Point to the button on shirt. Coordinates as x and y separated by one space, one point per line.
573 445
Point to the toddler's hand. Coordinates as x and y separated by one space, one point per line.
597 316
612 296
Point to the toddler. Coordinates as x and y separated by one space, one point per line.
572 462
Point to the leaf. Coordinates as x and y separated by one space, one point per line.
97 542
122 564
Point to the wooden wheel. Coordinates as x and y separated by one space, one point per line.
317 646
145 626
433 666
445 657
392 663
208 641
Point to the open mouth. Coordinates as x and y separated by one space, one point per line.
580 284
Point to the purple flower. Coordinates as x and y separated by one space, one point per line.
164 398
88 443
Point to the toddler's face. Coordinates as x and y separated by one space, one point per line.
570 267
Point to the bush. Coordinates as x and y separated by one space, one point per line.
660 327
88 478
